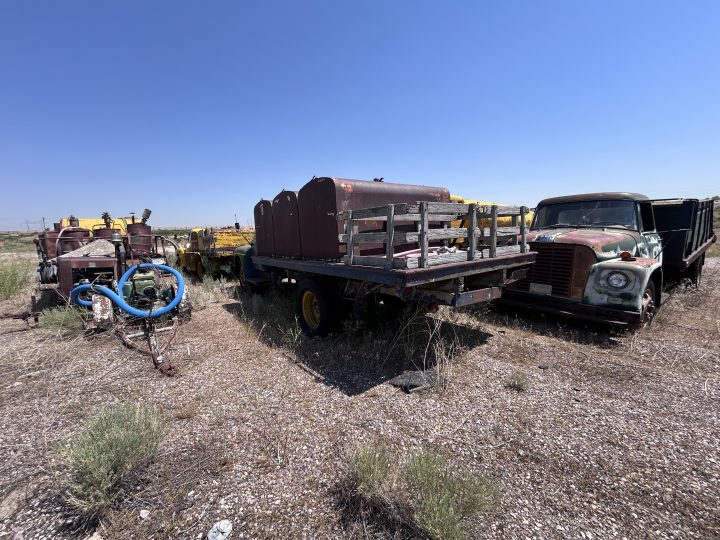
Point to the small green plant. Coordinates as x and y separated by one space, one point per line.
422 492
66 321
518 381
14 277
114 444
371 467
442 500
291 336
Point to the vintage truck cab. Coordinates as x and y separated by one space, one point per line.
610 256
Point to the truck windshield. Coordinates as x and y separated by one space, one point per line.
587 214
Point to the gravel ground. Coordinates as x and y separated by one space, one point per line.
615 436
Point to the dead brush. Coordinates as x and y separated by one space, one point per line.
206 291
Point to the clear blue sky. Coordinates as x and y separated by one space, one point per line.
199 109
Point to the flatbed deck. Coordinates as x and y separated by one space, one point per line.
410 277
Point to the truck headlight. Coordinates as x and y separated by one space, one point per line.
618 280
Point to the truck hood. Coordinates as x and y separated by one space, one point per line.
607 244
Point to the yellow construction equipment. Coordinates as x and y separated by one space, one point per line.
91 224
501 221
210 250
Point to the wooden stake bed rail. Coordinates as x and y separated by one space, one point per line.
477 240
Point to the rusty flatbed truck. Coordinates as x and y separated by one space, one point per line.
609 256
396 249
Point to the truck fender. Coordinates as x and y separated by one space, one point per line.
638 270
242 264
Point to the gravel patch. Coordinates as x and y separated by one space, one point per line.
615 435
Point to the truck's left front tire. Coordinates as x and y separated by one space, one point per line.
315 307
649 306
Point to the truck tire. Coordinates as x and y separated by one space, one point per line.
315 306
647 312
694 272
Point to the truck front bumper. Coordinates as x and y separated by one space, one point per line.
569 308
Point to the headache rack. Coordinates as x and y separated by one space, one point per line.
444 233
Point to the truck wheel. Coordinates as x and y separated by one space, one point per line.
314 307
694 273
648 306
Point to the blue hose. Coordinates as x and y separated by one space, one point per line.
120 301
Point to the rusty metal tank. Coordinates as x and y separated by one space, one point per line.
264 229
70 239
286 225
47 241
104 233
321 199
139 238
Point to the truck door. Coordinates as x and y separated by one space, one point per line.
650 245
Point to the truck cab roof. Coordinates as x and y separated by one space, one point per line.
605 196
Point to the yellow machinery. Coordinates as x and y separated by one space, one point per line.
95 223
210 250
502 221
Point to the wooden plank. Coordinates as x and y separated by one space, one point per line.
364 237
439 208
400 263
472 232
389 252
372 213
502 240
412 217
493 231
366 260
449 258
424 226
402 237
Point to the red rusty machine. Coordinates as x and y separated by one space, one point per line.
97 253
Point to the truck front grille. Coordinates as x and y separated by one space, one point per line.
553 266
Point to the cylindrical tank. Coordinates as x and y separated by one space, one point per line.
70 239
104 233
321 199
264 230
286 224
47 243
139 238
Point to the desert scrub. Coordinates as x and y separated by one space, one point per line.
518 381
371 467
14 277
421 492
66 321
443 500
116 442
205 292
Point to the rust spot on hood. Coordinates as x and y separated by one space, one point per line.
642 261
604 242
